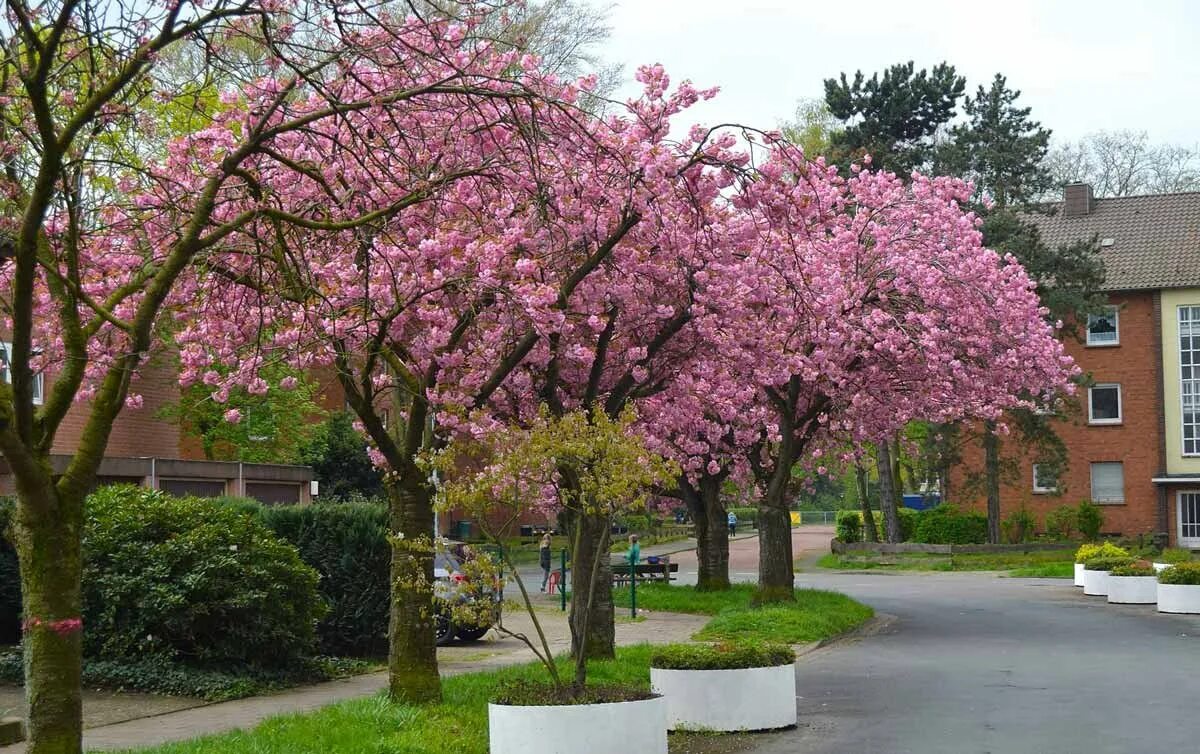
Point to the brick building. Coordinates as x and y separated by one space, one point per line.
1134 441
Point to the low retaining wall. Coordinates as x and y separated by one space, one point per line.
884 548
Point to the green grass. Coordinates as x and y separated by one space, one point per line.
372 725
815 615
985 561
1048 571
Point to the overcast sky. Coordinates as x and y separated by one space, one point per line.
1081 66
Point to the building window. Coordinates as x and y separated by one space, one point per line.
1104 404
1045 478
1189 519
6 375
1103 329
1189 378
1108 482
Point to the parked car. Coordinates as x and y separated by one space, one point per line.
452 585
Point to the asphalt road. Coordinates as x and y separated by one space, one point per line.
976 664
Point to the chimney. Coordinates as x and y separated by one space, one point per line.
1077 200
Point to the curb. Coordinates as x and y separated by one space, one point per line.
872 627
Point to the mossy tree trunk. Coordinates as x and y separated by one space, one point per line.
991 466
887 496
870 532
591 574
708 512
412 646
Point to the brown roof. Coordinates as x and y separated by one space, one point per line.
1156 238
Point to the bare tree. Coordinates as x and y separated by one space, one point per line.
1126 163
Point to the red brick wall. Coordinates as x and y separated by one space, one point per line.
1137 441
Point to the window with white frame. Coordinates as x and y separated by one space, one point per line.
1189 378
1104 404
6 374
1108 482
1045 478
1103 329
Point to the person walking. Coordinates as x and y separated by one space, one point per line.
544 559
732 520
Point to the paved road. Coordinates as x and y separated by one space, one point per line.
977 664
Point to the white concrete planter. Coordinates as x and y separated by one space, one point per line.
1095 583
1132 590
615 728
1158 567
1079 574
1179 598
728 700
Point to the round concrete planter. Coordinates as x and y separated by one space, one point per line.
1079 574
728 700
1179 598
616 728
1095 583
1160 566
1132 590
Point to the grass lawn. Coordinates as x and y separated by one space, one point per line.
815 614
1047 564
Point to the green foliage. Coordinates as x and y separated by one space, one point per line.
1105 550
1018 526
274 425
1048 571
723 656
184 580
947 525
1106 563
10 579
347 544
811 128
1186 574
1061 522
849 526
338 455
893 118
1138 568
1090 519
1173 555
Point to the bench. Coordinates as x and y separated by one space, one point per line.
660 571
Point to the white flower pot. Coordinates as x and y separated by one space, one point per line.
1160 566
728 700
1179 598
1079 574
1133 590
613 728
1095 583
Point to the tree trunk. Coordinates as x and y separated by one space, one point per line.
412 647
887 499
897 475
991 464
712 534
48 536
599 627
870 533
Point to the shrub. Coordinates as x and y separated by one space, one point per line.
1174 555
1018 526
849 526
1103 563
1089 519
946 525
1108 550
909 518
1187 574
184 580
1062 522
347 544
10 579
724 656
1139 568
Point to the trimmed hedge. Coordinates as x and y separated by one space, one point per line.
1140 568
1174 556
1187 574
1106 563
849 526
10 579
347 544
947 525
192 582
726 656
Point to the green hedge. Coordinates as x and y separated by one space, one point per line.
1187 574
849 526
1134 569
1174 555
347 544
947 525
1104 563
10 580
849 523
728 656
192 582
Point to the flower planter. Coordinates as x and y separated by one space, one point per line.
1132 590
612 728
1095 583
1161 566
728 700
1079 574
1179 598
